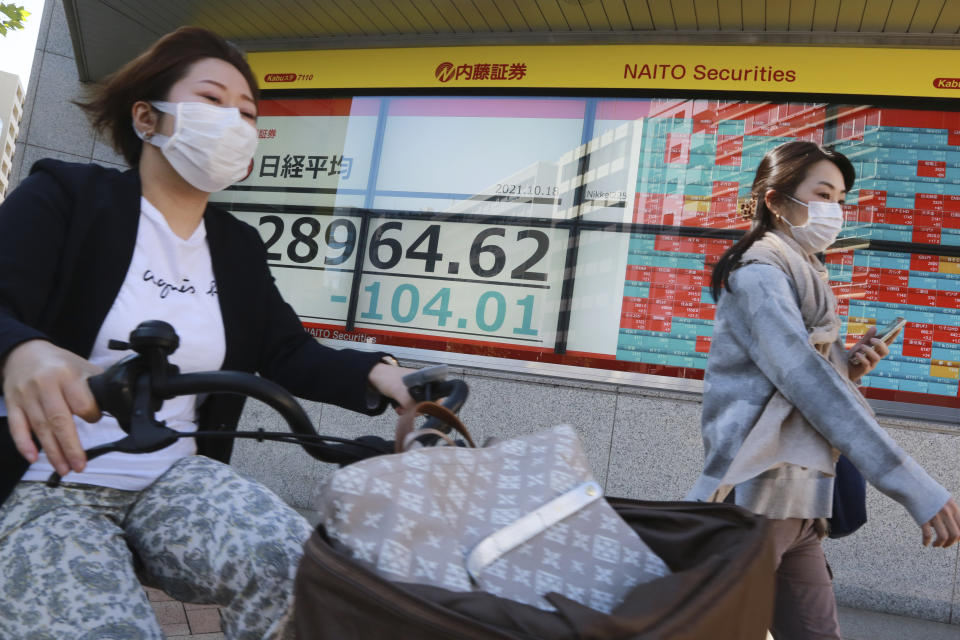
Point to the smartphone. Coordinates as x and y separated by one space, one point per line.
889 332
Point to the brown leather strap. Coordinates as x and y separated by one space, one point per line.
405 422
418 433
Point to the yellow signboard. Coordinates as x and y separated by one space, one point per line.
793 69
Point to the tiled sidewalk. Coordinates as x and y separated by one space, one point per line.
202 622
182 621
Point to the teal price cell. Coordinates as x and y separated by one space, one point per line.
655 343
938 353
690 263
905 202
636 290
951 239
682 346
878 382
915 386
698 190
922 282
679 361
684 330
896 235
942 389
642 243
730 128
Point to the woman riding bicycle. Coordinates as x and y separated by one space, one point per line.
86 254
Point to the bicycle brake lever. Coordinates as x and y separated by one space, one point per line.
419 382
145 433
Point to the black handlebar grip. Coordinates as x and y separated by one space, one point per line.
426 375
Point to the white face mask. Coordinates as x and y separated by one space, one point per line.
211 147
824 221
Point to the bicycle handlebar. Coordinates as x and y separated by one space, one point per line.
134 388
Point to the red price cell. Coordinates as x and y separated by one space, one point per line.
951 220
729 151
898 216
918 332
951 203
928 219
662 309
657 324
917 349
868 213
703 344
931 169
929 201
926 235
898 295
894 277
953 137
872 197
687 294
921 262
690 277
686 310
662 276
639 273
946 333
872 277
948 299
678 149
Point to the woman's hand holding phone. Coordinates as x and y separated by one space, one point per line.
866 354
873 347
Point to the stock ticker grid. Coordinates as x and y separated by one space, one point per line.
696 166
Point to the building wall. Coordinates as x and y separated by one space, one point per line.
642 443
11 113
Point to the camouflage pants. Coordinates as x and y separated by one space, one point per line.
201 532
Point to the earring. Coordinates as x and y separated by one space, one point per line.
148 135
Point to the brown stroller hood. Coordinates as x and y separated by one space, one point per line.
722 588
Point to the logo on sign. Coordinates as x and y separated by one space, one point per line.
946 83
280 77
445 71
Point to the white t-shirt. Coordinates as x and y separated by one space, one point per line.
169 279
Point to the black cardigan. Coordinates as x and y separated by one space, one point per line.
67 235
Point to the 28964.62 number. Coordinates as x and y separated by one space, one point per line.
487 258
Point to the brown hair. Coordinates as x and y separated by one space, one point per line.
150 76
782 169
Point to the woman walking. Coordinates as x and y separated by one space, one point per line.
780 401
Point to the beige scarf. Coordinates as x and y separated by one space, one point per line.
781 435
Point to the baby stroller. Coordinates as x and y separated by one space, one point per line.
721 585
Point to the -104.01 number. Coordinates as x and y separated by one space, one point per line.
486 258
489 314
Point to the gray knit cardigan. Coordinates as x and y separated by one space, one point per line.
760 345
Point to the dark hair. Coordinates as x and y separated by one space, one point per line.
150 76
782 169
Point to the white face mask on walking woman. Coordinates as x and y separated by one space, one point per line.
824 221
211 147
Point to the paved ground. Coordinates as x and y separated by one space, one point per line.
202 622
183 621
